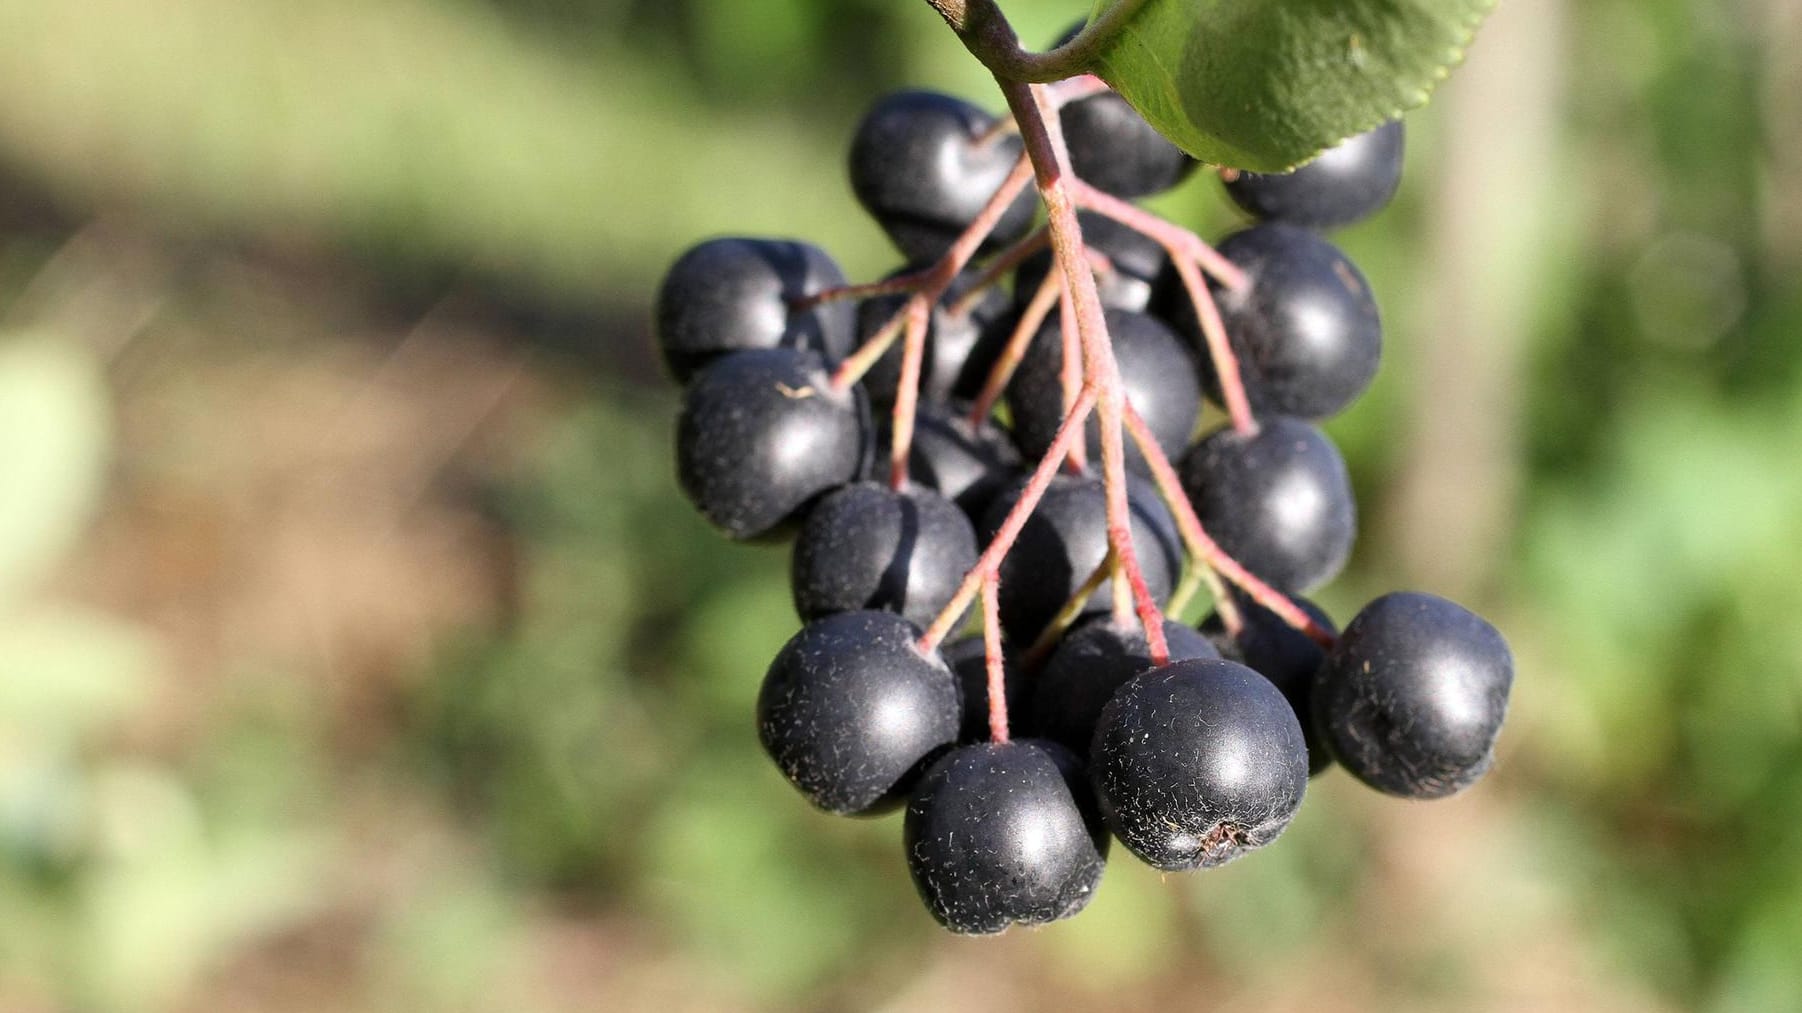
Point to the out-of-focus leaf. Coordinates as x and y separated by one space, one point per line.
55 421
64 672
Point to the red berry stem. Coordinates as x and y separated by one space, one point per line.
907 396
860 362
1070 373
990 561
992 660
998 268
1220 350
1205 552
909 282
927 286
1015 350
1043 136
1180 242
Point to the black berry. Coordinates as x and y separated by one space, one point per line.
1157 372
1413 696
1281 653
1343 184
1198 762
1278 501
969 662
867 546
1306 330
731 294
851 707
1063 542
924 164
762 433
1006 833
968 464
1093 661
1112 148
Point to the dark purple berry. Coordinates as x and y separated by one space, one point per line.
1306 330
969 662
1005 833
867 546
1063 542
1281 653
732 294
1279 501
1112 148
960 347
1347 182
924 164
762 433
969 465
1157 373
851 707
1093 661
1196 763
1412 698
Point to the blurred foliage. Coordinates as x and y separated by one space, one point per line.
558 801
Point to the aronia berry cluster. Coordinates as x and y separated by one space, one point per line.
945 449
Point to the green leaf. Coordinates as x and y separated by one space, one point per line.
1267 84
56 418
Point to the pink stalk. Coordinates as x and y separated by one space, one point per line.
1009 359
990 561
1220 349
1040 129
1209 554
991 650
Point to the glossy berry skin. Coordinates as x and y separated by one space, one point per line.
1138 264
762 433
970 465
1283 654
1412 698
1306 331
1196 763
1063 542
851 707
999 834
1093 661
1279 502
923 166
1112 148
1343 184
960 347
1157 372
866 546
970 664
732 294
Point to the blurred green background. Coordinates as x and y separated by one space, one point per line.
358 653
